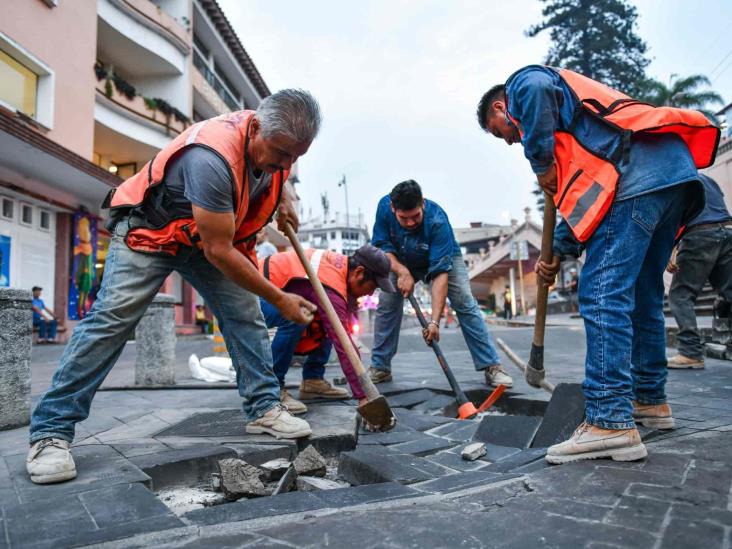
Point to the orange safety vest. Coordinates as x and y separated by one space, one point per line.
586 181
332 271
155 229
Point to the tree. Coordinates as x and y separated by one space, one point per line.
538 192
683 93
598 39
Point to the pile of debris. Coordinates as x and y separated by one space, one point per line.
238 479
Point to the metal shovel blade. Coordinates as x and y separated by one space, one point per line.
378 414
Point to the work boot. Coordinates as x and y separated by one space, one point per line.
681 362
279 423
495 375
591 442
294 406
379 376
653 416
49 460
320 388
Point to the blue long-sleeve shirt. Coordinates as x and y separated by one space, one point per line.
543 103
426 251
715 210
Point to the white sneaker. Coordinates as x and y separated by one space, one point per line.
49 460
495 375
279 423
294 406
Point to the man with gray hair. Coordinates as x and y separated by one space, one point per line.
195 208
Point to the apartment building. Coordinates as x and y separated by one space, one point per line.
90 90
334 232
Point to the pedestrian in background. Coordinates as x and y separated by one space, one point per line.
43 318
703 253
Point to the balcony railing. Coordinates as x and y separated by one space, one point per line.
200 63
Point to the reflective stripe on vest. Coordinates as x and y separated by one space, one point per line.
587 181
225 135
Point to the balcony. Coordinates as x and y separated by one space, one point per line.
215 83
141 39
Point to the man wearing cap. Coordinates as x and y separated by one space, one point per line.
345 279
43 318
417 237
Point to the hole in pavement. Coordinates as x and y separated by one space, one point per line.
507 404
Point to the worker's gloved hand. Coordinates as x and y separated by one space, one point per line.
405 283
431 333
547 272
296 308
548 180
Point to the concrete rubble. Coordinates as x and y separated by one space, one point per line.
239 479
473 451
310 463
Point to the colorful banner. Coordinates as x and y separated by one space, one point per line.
5 260
83 274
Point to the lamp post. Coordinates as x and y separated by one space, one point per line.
342 183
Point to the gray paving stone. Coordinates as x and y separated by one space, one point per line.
369 493
287 482
497 453
373 464
511 431
454 461
417 420
316 484
642 514
517 460
140 447
566 410
310 462
459 481
410 398
334 429
456 430
683 533
256 454
435 405
398 435
123 504
423 447
97 466
182 467
292 502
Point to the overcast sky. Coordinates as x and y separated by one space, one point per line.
398 83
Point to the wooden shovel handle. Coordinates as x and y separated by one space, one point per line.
326 304
546 255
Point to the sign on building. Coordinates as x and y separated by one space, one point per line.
519 250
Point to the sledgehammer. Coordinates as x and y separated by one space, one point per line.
535 368
466 409
376 412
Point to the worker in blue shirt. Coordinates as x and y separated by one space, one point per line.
418 239
703 253
623 193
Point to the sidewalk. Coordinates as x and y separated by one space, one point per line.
410 487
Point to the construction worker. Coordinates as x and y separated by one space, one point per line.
345 280
623 175
417 237
195 208
703 253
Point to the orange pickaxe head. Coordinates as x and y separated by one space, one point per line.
467 410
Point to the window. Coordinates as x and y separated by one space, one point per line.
17 85
44 220
344 235
199 45
26 82
8 208
332 235
26 214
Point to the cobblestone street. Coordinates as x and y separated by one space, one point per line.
408 487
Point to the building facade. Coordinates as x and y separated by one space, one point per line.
334 232
89 92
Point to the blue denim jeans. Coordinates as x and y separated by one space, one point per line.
46 328
621 300
131 280
286 339
475 331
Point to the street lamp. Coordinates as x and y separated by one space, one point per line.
342 183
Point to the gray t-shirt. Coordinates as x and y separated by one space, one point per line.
201 177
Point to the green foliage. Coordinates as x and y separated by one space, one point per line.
598 39
108 88
538 192
685 93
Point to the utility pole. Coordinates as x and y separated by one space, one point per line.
342 183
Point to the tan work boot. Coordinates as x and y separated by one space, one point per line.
320 388
293 405
279 423
379 376
653 416
495 375
681 362
591 442
49 460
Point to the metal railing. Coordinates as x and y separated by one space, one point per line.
200 63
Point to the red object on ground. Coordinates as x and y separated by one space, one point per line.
490 401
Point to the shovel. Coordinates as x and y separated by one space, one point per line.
535 372
376 412
466 409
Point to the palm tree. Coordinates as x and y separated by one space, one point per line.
683 93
